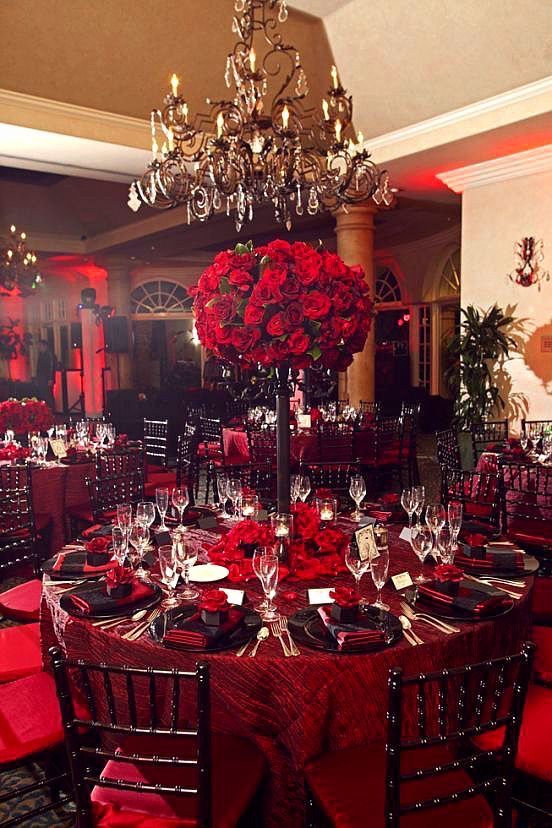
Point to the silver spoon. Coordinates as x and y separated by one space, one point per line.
262 635
407 627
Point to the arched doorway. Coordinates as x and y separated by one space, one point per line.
392 336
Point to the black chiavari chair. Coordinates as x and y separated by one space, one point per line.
477 491
526 499
334 476
187 468
368 413
262 444
411 409
141 740
379 450
534 429
210 449
237 410
156 437
448 449
408 446
335 442
431 766
259 477
486 434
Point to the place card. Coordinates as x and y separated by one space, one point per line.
303 421
402 580
58 447
320 596
207 522
406 535
366 543
235 596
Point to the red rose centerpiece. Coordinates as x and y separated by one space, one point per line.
282 305
214 607
345 607
118 581
97 551
22 416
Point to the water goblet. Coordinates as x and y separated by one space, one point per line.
162 503
409 501
356 566
180 500
186 556
304 487
268 575
421 540
169 572
357 490
234 491
379 565
435 517
259 552
139 537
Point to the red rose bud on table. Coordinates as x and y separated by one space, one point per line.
119 581
214 607
345 607
447 572
97 550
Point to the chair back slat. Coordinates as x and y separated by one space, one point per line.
335 442
448 449
262 444
535 429
187 459
477 491
334 476
526 498
156 442
485 434
18 536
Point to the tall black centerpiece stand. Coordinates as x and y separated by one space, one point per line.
283 394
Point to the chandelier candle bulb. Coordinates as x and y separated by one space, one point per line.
220 124
360 139
325 109
170 137
174 85
338 131
252 59
333 74
285 117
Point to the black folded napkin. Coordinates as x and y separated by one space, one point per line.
192 632
494 555
477 599
74 564
99 530
349 637
94 600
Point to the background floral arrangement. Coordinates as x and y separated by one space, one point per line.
28 414
282 303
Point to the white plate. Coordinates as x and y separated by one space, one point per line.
203 573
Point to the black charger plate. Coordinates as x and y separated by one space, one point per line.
453 613
125 609
47 567
249 628
530 567
307 628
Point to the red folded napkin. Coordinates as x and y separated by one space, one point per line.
96 600
194 633
349 636
477 599
381 516
491 556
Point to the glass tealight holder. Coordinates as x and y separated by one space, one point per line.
282 527
9 436
327 509
249 506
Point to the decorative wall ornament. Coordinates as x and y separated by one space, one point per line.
529 253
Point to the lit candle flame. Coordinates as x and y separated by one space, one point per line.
360 139
220 124
252 58
174 85
326 109
333 73
338 130
285 117
184 110
170 137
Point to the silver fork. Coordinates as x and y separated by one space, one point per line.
515 595
295 651
141 628
277 632
429 619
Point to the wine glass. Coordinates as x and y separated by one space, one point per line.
139 537
379 565
421 540
419 492
356 566
119 544
435 517
162 503
455 511
445 543
222 488
169 572
304 487
259 553
234 491
145 513
180 501
409 502
268 575
294 481
186 556
357 490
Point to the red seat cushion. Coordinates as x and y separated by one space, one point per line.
22 602
237 769
542 636
165 479
531 532
541 601
20 653
350 787
534 756
84 514
30 720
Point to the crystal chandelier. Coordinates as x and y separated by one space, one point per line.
18 264
263 148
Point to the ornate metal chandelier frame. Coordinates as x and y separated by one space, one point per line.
18 267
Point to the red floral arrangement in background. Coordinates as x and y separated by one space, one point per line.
28 414
13 452
316 550
282 303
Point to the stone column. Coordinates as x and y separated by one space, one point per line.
118 295
355 245
92 362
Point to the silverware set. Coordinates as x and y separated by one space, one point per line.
493 583
278 628
437 623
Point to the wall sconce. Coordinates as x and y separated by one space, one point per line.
529 253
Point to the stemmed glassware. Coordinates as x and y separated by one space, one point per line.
379 566
295 481
268 576
357 490
304 487
455 512
419 492
180 500
356 566
222 488
139 537
124 521
259 553
435 517
145 513
186 556
119 544
169 572
234 491
421 540
162 503
409 502
445 543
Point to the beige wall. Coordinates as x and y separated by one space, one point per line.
494 217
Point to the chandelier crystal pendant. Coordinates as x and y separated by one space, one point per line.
263 146
18 264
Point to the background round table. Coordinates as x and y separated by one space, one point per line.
56 487
296 708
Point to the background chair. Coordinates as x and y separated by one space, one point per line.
187 467
335 442
477 491
534 429
262 444
334 476
486 434
210 449
259 477
448 449
526 497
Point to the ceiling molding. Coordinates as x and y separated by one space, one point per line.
519 164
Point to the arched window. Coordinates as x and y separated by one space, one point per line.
387 287
450 276
160 296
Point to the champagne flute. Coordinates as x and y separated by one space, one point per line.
356 566
455 511
379 566
222 488
139 536
268 574
169 572
259 553
445 543
409 503
119 544
294 480
357 490
180 501
304 487
162 502
186 556
435 517
421 541
124 520
234 491
420 501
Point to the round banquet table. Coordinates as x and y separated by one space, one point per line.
296 708
56 487
303 445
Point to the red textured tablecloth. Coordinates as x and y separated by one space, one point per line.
296 708
55 488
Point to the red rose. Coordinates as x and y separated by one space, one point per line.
98 545
277 352
240 278
118 575
290 287
306 521
316 305
345 596
214 600
223 334
330 540
224 307
298 342
243 339
447 572
275 325
209 280
253 314
293 316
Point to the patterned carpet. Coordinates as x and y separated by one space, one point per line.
62 817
